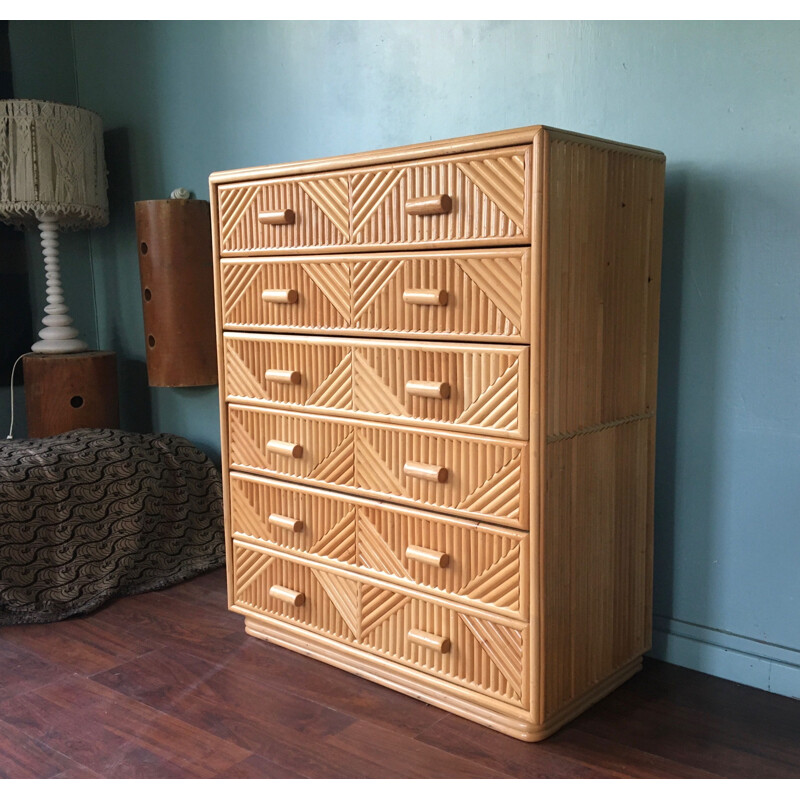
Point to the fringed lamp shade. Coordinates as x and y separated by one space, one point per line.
52 174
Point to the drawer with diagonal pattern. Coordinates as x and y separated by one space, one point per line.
477 389
474 476
470 294
477 650
479 198
474 563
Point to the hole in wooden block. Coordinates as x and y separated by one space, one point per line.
144 248
76 401
151 340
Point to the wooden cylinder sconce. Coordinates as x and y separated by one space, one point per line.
176 271
66 392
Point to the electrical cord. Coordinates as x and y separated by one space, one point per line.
11 426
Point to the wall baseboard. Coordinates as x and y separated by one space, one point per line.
726 655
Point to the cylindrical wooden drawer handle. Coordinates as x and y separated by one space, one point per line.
283 217
283 376
289 596
289 523
287 296
285 448
437 389
438 643
426 297
435 204
427 472
425 556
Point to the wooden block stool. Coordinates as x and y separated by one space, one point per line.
65 392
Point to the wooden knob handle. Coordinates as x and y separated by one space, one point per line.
436 389
434 204
289 523
288 296
425 556
288 596
427 472
430 640
282 217
283 376
285 448
426 297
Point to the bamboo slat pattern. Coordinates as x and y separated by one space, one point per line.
488 194
487 654
487 386
314 224
595 558
488 295
486 564
331 609
603 260
603 287
485 476
419 571
367 208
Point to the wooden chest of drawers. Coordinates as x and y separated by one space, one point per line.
438 385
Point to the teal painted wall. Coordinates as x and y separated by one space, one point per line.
182 99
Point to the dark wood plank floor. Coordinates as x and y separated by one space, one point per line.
167 685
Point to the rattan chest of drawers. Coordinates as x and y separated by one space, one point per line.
438 386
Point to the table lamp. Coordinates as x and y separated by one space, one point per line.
53 175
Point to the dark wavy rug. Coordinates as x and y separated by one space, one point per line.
94 513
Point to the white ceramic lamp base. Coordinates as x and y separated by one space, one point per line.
57 335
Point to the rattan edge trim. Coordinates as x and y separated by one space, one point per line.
440 148
450 697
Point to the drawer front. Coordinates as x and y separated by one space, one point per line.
484 653
474 476
484 564
481 389
481 198
468 295
315 214
488 194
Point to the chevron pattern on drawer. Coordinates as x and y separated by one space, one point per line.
487 387
485 480
488 565
485 653
319 206
486 295
488 194
367 207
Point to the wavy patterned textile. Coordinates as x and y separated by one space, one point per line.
96 513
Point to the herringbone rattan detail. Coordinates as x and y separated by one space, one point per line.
366 208
487 564
485 476
486 295
485 388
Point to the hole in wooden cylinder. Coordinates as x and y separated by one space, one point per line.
151 340
76 401
144 248
148 295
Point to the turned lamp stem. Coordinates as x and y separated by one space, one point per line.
57 335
